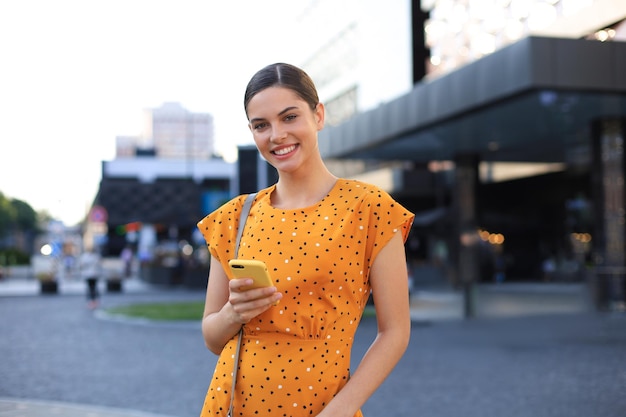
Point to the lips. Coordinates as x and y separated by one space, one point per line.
284 151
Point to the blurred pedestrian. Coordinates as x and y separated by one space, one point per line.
548 267
90 270
127 258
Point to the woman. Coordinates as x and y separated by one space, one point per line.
327 242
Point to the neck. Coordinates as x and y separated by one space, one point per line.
293 191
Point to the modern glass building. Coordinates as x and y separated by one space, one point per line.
512 155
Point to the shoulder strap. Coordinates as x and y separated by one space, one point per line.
242 219
242 222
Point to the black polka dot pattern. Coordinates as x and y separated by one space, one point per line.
296 356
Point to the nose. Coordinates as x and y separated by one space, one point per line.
278 134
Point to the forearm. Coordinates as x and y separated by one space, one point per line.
382 356
218 328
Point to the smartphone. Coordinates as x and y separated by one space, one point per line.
257 270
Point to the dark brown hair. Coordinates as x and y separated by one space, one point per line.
282 75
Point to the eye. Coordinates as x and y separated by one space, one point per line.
259 126
290 117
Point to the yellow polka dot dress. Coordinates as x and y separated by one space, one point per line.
296 356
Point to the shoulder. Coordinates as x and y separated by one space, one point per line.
374 201
229 211
360 190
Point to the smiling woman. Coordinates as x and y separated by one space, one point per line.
328 243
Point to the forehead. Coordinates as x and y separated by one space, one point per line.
273 100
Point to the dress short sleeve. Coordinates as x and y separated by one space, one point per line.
219 229
386 217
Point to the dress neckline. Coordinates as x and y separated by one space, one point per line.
311 207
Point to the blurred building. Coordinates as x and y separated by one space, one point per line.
160 184
462 31
361 57
171 131
501 142
144 201
500 123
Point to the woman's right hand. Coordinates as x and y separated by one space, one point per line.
229 305
249 303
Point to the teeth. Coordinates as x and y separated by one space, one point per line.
285 150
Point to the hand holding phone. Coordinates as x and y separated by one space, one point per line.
247 268
250 268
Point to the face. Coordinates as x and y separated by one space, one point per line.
284 127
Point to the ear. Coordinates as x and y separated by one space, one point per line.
320 114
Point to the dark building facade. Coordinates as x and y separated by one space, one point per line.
540 101
140 195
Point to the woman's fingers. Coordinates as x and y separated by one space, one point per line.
248 304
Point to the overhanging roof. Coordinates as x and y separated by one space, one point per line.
532 101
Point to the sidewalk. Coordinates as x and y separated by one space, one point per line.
502 300
33 408
14 286
427 306
19 283
431 304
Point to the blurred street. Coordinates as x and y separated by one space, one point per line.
533 350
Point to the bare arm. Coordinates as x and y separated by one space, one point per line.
227 307
389 281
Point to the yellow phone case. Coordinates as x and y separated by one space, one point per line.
257 270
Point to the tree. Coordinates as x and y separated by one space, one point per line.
8 215
17 215
25 216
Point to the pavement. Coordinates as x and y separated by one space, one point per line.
33 408
427 306
19 282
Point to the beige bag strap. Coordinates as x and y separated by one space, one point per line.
242 222
242 219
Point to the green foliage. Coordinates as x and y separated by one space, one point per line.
12 256
192 310
17 215
25 216
7 215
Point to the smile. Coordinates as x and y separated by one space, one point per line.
284 151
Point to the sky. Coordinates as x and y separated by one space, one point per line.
74 74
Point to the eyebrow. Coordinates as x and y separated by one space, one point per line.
288 109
